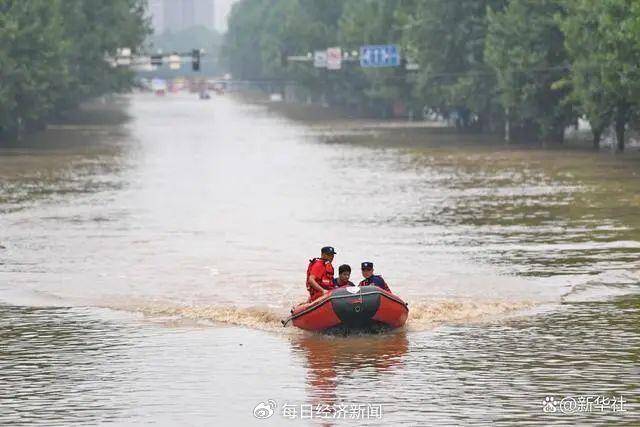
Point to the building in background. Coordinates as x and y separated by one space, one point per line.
177 15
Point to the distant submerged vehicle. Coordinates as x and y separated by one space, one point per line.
219 87
357 307
159 86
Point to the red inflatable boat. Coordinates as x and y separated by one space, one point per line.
351 307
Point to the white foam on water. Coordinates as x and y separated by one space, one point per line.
423 315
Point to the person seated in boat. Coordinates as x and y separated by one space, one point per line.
372 279
344 272
320 273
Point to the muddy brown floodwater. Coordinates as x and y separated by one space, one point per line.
152 245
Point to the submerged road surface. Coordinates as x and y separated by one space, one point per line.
151 247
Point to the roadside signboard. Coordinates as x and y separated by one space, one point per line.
174 61
144 64
375 56
156 60
334 58
320 59
412 66
123 61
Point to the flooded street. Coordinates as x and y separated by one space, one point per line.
152 247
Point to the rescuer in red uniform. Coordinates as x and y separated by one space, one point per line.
320 273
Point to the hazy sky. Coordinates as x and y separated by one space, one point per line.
222 10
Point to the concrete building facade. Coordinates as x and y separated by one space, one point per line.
177 15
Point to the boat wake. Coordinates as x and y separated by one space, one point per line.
250 317
423 315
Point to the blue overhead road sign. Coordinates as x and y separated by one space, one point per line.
384 55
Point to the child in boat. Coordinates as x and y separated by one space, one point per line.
344 272
372 279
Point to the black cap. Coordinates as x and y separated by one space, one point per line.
328 250
366 265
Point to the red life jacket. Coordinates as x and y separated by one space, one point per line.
326 280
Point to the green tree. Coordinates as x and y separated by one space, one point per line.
447 38
603 41
95 28
375 22
242 40
525 48
33 70
262 33
536 63
52 54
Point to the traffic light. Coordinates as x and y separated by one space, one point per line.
195 59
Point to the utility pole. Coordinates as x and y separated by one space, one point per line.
507 126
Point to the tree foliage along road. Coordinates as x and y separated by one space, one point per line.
540 64
52 54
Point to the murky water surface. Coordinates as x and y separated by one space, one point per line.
151 247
